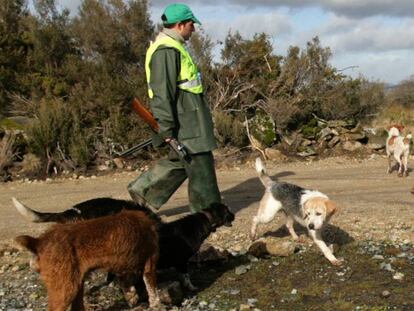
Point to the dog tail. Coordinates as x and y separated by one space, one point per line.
261 169
35 216
27 212
407 139
27 242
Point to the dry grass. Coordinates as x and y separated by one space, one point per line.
395 113
6 149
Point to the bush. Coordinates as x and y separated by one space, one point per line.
56 137
7 153
229 130
262 127
395 113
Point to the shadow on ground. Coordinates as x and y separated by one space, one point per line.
306 281
238 197
331 234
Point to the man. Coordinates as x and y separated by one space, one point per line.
177 103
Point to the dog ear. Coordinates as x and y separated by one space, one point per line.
331 208
399 127
27 242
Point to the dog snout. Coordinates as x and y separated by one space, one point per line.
229 219
311 227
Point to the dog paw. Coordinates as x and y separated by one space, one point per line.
337 262
157 307
301 239
131 297
191 287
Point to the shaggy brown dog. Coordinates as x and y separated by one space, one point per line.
124 244
178 240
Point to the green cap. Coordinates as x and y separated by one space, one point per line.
178 12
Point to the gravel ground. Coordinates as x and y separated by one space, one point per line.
376 212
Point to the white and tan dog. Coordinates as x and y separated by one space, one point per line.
311 209
399 147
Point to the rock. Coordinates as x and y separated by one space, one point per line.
385 294
373 146
386 266
102 168
119 163
242 269
244 307
324 132
272 246
280 248
234 292
392 251
398 276
337 123
288 140
252 258
333 141
354 136
306 142
251 302
309 151
274 154
351 146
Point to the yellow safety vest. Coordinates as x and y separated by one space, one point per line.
188 78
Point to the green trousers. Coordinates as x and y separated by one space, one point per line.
160 182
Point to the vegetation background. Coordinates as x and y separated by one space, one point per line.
66 84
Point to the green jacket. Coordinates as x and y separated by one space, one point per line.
180 114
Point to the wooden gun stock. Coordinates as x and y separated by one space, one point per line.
146 115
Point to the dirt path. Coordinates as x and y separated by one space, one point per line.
373 204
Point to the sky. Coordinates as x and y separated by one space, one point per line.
372 38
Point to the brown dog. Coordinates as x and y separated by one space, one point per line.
124 244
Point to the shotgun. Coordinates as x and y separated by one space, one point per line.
134 149
145 115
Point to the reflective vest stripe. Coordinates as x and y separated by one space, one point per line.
189 84
188 78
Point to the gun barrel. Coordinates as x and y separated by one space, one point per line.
134 149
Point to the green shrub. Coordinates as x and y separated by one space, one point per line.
262 127
229 130
56 137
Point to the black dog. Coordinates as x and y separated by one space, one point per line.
89 209
178 241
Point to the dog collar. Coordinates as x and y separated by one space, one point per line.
209 218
